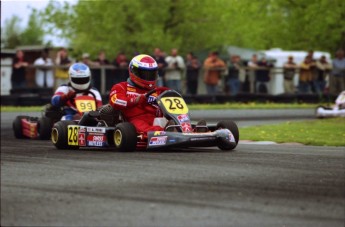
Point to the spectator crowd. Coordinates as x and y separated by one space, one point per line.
220 76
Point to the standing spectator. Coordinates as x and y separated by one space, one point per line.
44 71
262 76
253 65
96 73
61 74
233 82
121 71
19 65
160 59
314 72
322 68
213 68
174 70
289 71
192 75
305 75
85 58
337 77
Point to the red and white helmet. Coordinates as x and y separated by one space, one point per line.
143 71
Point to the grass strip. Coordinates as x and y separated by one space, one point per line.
21 108
254 105
320 132
238 106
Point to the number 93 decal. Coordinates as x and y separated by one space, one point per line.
175 105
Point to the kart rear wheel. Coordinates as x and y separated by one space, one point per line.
125 137
17 127
59 135
44 128
232 126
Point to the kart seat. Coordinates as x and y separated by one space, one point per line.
109 115
52 112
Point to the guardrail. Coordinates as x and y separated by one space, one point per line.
108 71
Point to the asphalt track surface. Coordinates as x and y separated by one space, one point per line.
255 185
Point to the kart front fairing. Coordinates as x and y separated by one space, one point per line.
163 139
174 108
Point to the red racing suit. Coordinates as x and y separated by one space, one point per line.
124 97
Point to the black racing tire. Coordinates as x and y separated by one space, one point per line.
125 137
44 128
18 128
59 135
232 126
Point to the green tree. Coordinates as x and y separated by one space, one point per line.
14 35
33 34
141 25
10 37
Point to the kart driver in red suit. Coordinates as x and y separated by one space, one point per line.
129 97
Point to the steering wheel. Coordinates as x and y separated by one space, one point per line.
147 95
83 93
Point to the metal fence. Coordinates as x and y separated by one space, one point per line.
104 77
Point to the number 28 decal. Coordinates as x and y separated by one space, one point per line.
175 105
72 135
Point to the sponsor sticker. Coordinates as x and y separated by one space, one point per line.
183 118
81 139
151 99
156 141
202 138
120 102
82 129
95 129
186 127
96 138
131 89
95 143
159 133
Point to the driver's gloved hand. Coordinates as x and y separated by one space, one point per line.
70 95
141 99
152 100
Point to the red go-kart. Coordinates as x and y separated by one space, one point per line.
40 127
108 128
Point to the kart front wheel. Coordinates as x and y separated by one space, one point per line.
18 128
59 135
44 128
125 136
232 126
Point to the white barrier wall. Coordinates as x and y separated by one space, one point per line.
6 71
280 57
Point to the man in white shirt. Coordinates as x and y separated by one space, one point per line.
174 71
44 75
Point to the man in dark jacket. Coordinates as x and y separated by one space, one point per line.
262 76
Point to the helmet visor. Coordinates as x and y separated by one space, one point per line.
149 75
80 80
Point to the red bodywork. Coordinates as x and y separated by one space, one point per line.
29 128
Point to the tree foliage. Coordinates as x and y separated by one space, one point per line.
14 35
141 25
10 35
